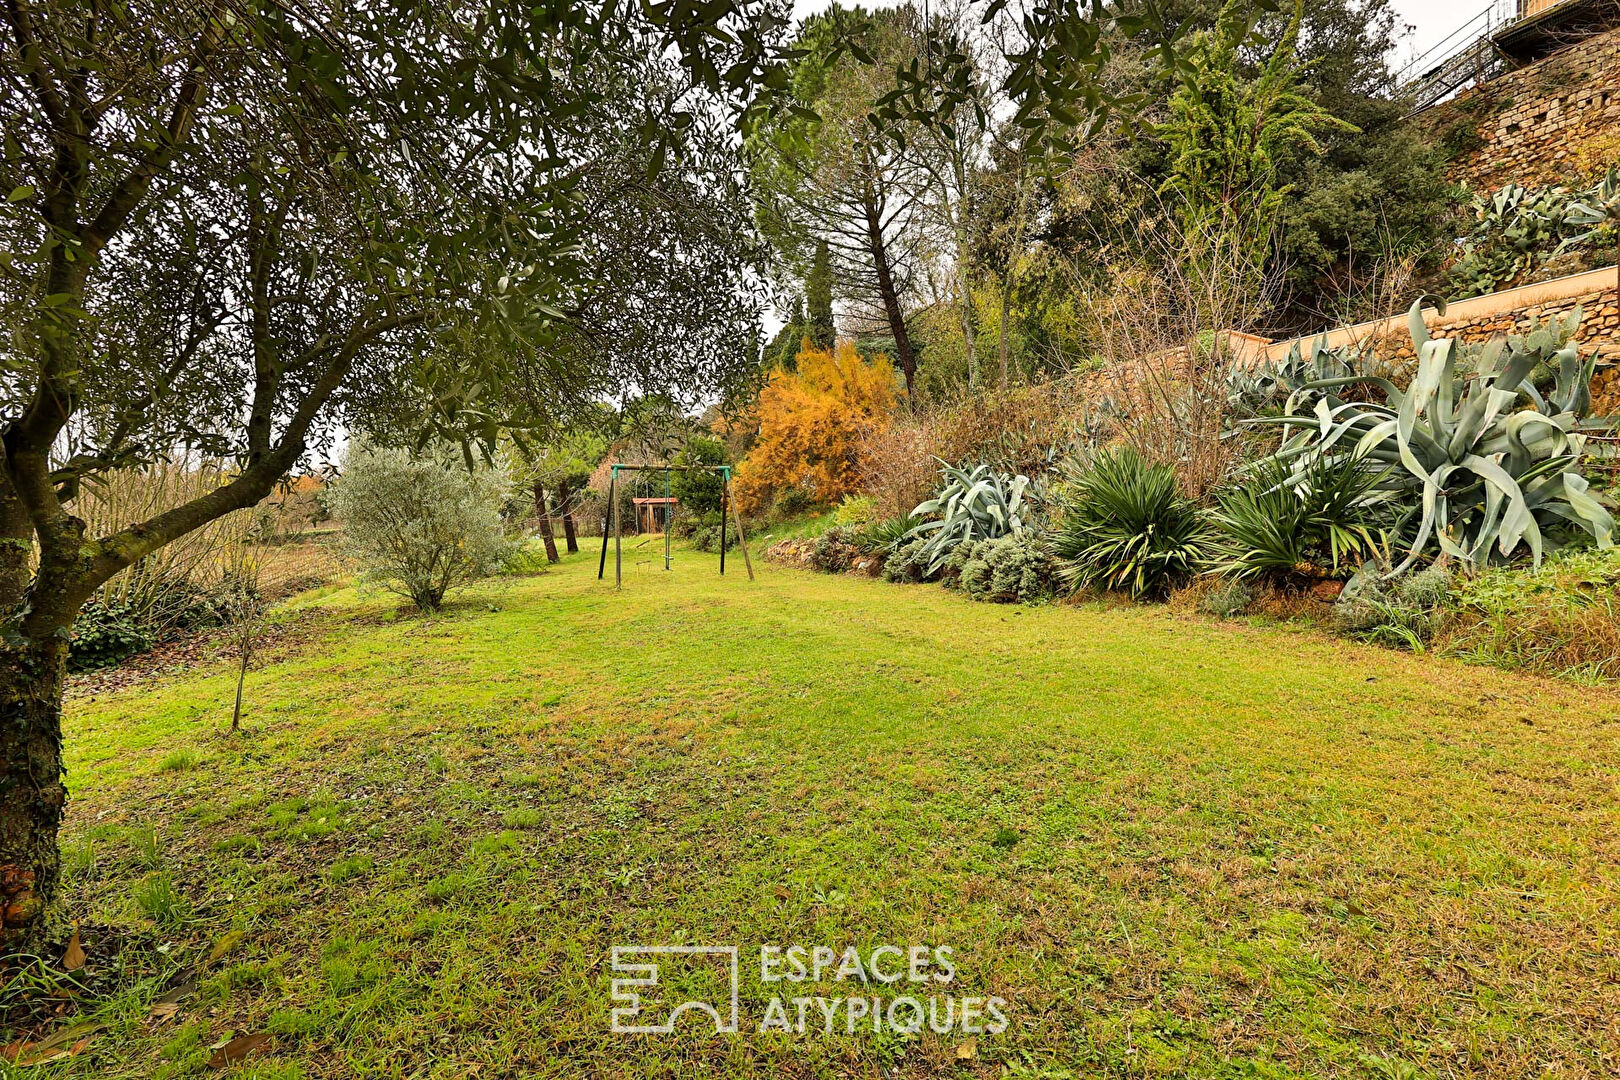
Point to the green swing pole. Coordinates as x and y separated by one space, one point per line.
613 484
667 490
725 486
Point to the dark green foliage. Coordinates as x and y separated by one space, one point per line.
699 492
818 298
1127 528
835 549
880 537
1010 569
1319 522
907 562
706 534
105 635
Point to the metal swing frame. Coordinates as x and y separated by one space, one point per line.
726 502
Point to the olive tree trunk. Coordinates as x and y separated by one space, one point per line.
544 515
32 794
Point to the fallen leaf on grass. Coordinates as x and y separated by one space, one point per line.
967 1051
239 1048
69 1042
73 955
169 1004
224 945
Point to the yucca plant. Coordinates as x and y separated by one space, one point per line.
1127 527
1317 522
880 537
1481 464
976 504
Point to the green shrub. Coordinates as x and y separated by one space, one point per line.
104 635
420 526
1229 597
706 535
1127 528
855 510
1403 612
1008 569
1321 521
699 490
906 561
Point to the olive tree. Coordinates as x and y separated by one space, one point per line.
422 525
232 229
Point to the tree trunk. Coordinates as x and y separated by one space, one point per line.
565 500
1006 313
544 516
891 296
32 794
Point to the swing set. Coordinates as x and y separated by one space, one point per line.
668 502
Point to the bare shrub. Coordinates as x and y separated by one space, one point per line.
163 590
897 465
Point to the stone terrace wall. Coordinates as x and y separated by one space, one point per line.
1484 317
1554 121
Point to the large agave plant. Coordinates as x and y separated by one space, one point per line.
1486 462
1250 390
976 504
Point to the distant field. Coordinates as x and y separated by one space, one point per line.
1173 847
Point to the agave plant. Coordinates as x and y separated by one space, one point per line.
1517 228
1595 208
976 504
1249 390
1127 527
1483 463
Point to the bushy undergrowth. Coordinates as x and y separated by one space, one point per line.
1007 570
1405 612
1226 598
1562 618
835 550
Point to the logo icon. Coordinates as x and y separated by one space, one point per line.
628 1018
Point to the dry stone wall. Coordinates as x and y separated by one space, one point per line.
1554 121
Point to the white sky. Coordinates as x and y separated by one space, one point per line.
1431 20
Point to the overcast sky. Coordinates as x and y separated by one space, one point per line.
1431 20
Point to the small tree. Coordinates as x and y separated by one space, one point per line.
420 526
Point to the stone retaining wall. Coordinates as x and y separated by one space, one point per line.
1554 121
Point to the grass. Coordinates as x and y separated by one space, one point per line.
1173 846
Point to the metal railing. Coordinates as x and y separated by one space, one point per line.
1463 58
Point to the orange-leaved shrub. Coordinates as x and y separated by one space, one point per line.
811 422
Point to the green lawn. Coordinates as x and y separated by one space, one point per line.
1173 846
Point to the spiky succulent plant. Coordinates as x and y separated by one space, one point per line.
1485 462
971 504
